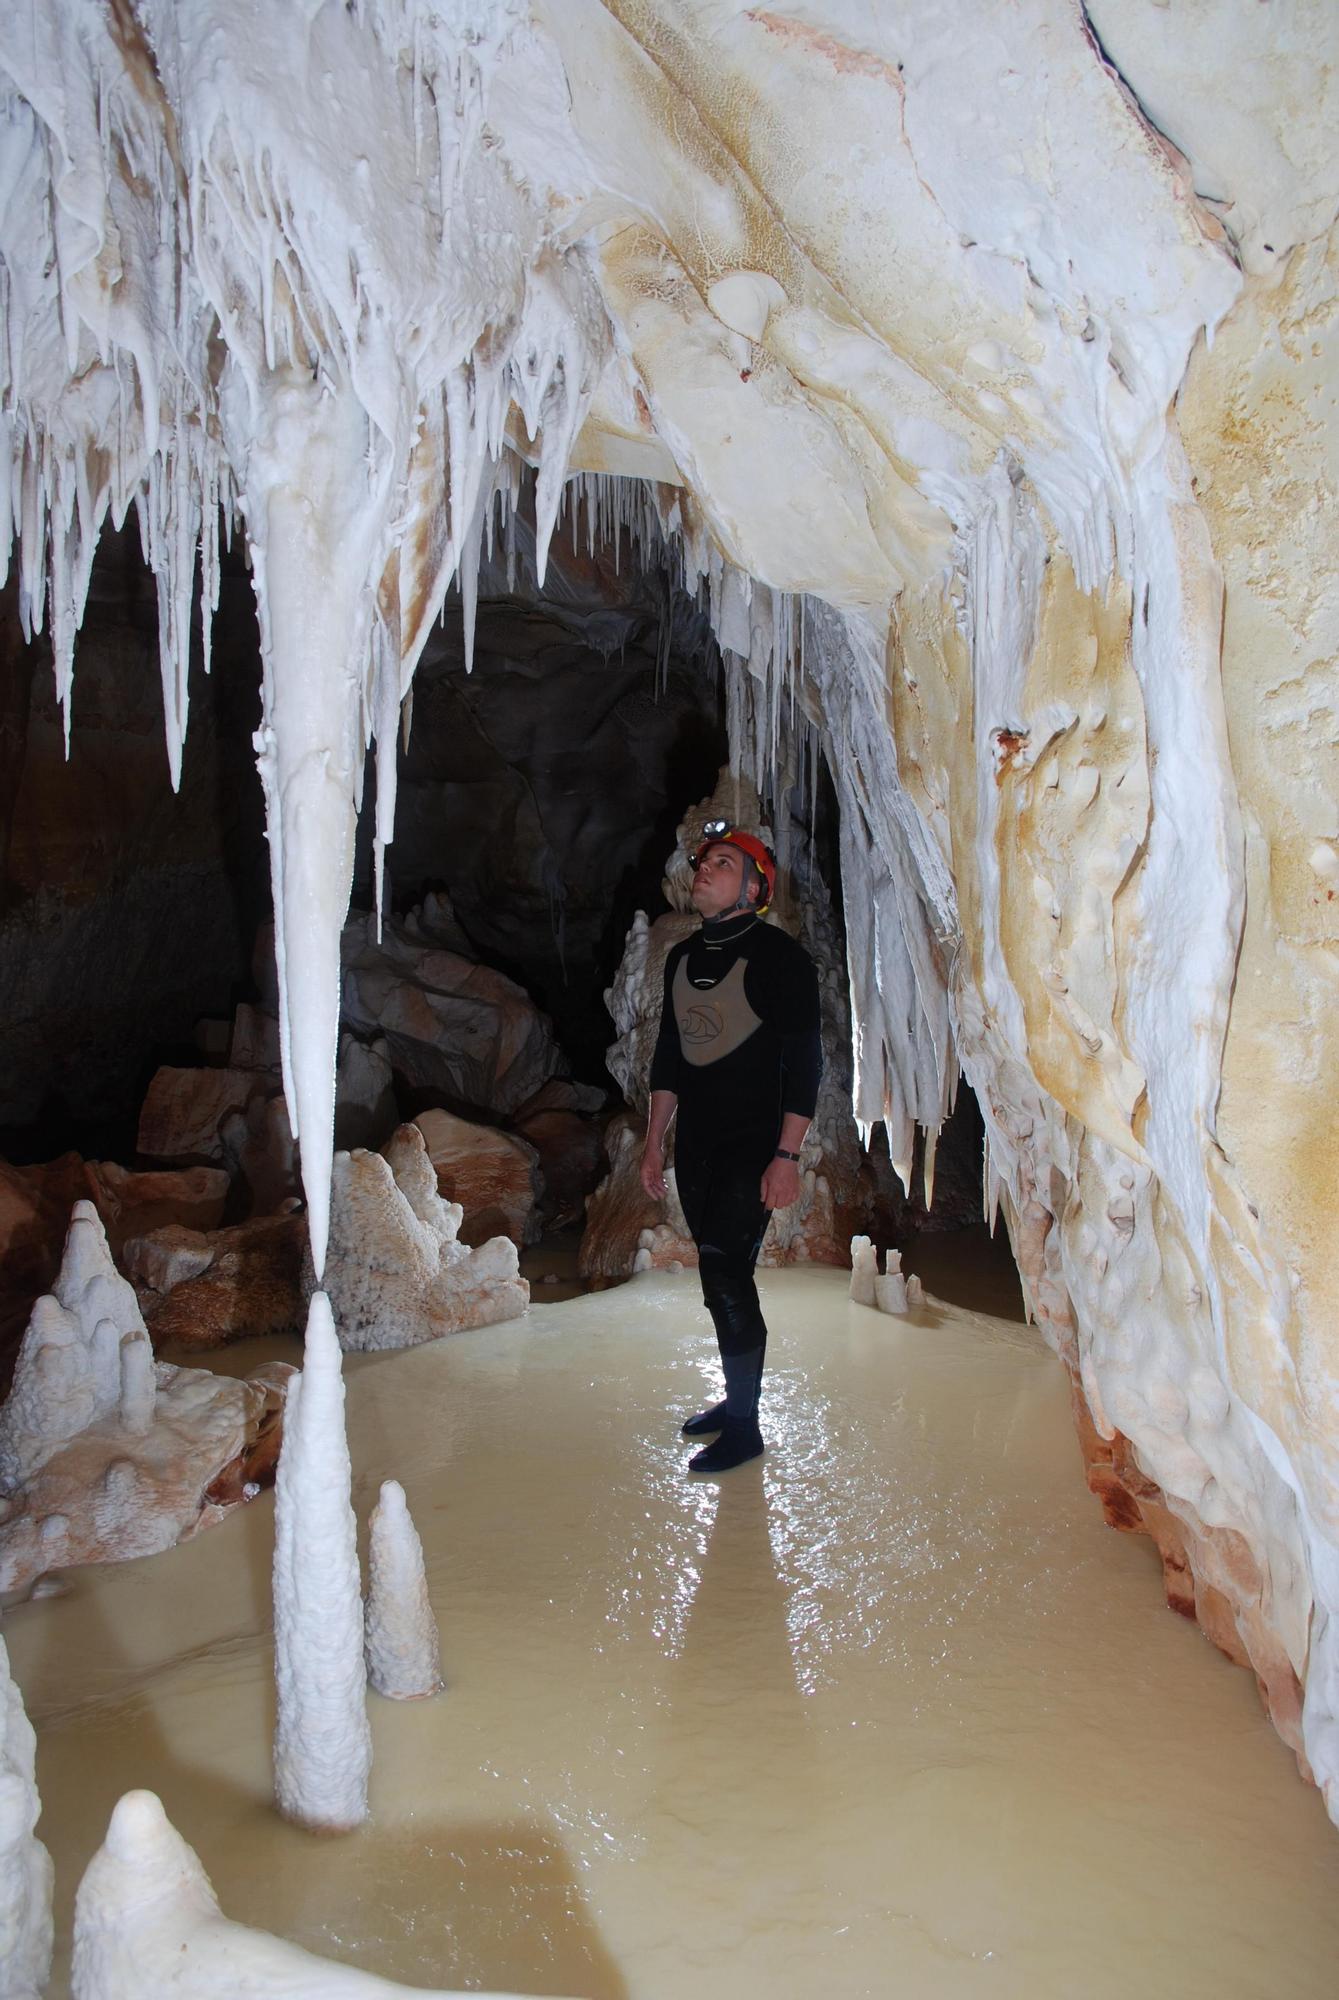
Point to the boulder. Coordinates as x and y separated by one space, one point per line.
453 1028
131 1204
202 1291
185 1112
396 1271
493 1175
238 1116
571 1154
254 1042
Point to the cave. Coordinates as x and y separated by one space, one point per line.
455 456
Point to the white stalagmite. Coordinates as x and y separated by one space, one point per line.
402 1652
147 1926
85 1357
322 1743
25 1865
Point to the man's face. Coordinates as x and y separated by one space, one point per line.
717 879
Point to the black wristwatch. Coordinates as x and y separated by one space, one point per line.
782 1154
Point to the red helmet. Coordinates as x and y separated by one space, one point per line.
720 833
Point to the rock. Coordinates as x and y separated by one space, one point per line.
167 1258
493 1175
185 1110
561 1093
238 1116
104 1454
251 1283
365 1113
625 1230
571 1152
254 1043
132 1204
396 1272
452 1027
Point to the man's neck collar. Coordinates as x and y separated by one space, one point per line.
723 930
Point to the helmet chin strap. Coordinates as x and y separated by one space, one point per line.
744 902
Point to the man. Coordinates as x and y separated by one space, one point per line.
739 1053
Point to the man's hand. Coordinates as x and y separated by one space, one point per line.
781 1184
653 1170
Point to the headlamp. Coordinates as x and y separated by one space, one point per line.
715 830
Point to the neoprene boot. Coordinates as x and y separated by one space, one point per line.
705 1422
736 1445
740 1438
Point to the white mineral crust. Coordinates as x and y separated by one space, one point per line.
25 1865
322 1742
147 1926
403 1658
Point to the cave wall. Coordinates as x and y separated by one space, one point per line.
127 911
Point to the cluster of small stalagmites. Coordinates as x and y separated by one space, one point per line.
327 1646
85 1357
891 1290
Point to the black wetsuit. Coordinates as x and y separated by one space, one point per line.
739 1046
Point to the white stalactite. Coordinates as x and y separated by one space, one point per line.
403 1658
25 1865
322 1742
147 1926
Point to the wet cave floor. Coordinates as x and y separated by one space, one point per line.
889 1713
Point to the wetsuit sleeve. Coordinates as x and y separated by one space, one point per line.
667 1062
795 1012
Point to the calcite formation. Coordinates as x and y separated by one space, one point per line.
25 1865
322 1744
148 1925
402 1649
397 1271
977 369
105 1453
890 1290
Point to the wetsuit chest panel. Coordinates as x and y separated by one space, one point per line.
713 1021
